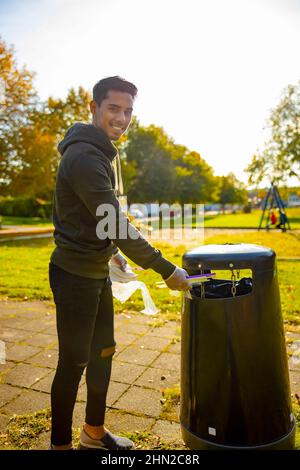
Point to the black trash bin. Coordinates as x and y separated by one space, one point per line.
235 391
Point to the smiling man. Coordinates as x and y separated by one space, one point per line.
87 179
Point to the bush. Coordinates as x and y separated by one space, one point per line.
24 206
247 208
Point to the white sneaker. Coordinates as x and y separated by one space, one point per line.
108 442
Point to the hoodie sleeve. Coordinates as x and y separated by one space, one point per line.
90 179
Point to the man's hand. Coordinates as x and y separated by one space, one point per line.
120 261
177 280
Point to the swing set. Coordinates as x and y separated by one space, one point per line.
268 217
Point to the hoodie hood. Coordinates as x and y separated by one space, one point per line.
90 134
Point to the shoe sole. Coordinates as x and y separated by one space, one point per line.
91 447
85 447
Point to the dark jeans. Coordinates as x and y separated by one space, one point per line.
85 328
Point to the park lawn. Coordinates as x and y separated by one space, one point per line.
251 220
24 273
238 220
25 221
218 220
285 244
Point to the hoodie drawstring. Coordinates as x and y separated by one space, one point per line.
118 174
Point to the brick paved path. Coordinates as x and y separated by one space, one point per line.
146 362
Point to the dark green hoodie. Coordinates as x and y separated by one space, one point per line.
85 180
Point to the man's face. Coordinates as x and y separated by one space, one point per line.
113 115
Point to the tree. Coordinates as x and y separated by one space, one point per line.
17 98
231 191
157 169
36 146
149 159
280 157
195 182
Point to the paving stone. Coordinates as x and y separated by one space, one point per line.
36 306
16 321
6 308
123 422
174 348
42 442
42 340
47 358
131 316
5 368
119 348
21 352
44 385
28 402
135 355
295 382
168 431
140 400
79 415
135 317
13 335
115 390
158 379
33 315
8 393
126 373
123 338
81 394
38 325
19 306
152 342
51 330
168 330
25 375
167 361
294 336
4 315
136 328
4 420
54 345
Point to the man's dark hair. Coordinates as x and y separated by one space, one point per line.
112 83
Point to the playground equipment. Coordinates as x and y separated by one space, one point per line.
272 201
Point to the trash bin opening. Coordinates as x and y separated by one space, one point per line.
225 284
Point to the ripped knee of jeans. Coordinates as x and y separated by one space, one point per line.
108 352
81 364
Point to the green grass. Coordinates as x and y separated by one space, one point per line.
248 220
238 220
24 273
170 403
23 431
219 220
285 245
25 221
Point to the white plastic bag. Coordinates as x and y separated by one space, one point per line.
123 290
116 274
124 284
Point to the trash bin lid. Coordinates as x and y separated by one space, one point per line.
239 255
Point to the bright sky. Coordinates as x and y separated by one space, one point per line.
208 71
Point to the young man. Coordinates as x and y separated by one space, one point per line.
78 270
